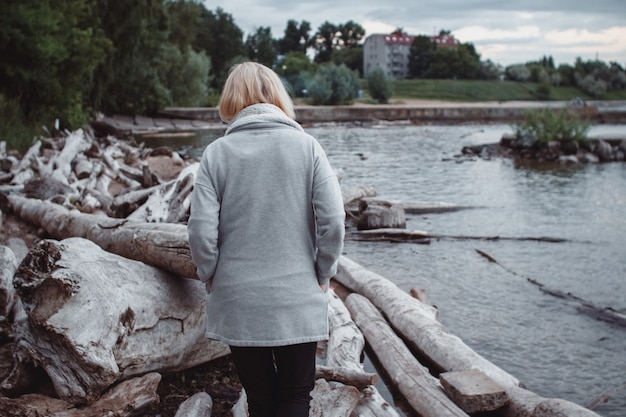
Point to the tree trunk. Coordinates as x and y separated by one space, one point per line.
96 318
125 399
421 390
163 245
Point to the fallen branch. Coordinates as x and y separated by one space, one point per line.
606 314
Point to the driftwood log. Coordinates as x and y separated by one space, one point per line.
164 245
95 318
345 350
128 398
445 352
421 390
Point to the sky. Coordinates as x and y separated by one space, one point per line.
505 32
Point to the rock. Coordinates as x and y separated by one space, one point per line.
588 157
568 159
569 147
198 405
604 151
524 142
507 139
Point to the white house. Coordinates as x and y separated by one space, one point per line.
391 52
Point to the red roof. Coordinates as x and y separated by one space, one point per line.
398 39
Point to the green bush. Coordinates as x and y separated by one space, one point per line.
549 125
378 86
16 131
333 85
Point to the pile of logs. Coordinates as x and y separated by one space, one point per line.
94 314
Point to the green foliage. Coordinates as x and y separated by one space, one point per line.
49 53
296 38
379 87
543 90
184 75
222 40
549 125
351 58
260 47
16 131
333 85
420 56
331 37
128 82
297 71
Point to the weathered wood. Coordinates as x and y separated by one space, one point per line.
8 265
418 207
379 289
351 194
357 379
128 398
606 314
75 143
333 402
446 352
345 349
421 390
96 318
473 391
376 217
162 245
162 205
417 323
198 405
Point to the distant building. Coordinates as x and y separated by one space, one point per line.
391 52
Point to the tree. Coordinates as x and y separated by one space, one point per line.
297 71
333 85
185 75
185 19
260 47
128 81
326 39
331 37
296 39
461 62
379 86
49 55
350 34
420 56
351 58
222 41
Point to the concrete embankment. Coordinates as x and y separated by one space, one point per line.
188 119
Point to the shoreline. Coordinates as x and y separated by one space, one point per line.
182 120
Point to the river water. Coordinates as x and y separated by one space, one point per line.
546 342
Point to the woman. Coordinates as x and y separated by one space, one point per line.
266 231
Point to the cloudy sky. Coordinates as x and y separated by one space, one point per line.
507 32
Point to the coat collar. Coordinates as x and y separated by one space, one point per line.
260 113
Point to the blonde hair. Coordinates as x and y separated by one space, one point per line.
251 83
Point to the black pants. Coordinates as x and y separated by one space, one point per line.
278 380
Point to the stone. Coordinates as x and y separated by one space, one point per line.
604 151
569 147
473 391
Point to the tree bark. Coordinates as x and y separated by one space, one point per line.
163 245
125 399
96 318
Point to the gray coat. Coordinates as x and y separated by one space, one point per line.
266 229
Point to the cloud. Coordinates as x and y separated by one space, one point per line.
505 32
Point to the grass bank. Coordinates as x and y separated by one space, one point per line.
479 90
